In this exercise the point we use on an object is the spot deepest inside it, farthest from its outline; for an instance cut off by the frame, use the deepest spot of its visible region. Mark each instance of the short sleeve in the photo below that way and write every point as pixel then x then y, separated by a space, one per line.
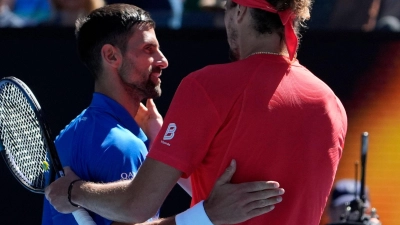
pixel 120 150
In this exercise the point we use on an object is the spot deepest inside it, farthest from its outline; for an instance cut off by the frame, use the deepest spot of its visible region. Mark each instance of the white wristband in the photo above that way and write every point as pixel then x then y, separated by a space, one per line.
pixel 195 215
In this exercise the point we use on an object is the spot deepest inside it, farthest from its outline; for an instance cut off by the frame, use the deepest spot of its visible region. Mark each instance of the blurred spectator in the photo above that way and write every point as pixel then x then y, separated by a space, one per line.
pixel 145 4
pixel 166 13
pixel 365 15
pixel 217 7
pixel 388 23
pixel 175 21
pixel 212 4
pixel 65 12
pixel 345 191
pixel 35 11
pixel 8 18
pixel 354 15
pixel 389 16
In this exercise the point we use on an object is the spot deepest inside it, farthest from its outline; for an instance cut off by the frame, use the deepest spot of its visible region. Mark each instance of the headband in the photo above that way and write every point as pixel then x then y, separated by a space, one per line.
pixel 287 17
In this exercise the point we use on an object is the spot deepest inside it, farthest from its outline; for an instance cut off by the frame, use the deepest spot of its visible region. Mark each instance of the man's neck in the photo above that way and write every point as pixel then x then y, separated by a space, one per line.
pixel 116 91
pixel 268 43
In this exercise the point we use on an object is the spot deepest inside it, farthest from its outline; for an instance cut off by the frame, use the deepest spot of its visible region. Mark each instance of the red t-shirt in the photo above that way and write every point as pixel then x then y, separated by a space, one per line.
pixel 276 119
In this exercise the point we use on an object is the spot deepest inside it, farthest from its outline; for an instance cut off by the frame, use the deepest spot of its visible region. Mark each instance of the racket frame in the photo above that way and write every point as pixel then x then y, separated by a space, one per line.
pixel 51 149
pixel 81 216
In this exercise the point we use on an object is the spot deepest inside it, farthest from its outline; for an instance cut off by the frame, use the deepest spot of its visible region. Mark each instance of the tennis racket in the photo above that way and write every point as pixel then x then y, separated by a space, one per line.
pixel 25 142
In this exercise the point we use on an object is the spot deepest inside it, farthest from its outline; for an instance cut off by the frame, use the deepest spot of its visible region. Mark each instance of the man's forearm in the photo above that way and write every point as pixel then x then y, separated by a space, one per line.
pixel 106 200
pixel 166 221
pixel 137 200
pixel 163 221
pixel 133 201
pixel 195 215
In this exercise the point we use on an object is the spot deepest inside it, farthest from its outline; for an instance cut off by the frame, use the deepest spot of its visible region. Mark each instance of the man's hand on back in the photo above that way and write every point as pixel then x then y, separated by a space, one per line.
pixel 234 203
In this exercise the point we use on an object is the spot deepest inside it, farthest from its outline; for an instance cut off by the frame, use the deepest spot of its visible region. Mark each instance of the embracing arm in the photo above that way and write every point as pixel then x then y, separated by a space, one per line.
pixel 164 221
pixel 127 201
pixel 229 203
pixel 136 201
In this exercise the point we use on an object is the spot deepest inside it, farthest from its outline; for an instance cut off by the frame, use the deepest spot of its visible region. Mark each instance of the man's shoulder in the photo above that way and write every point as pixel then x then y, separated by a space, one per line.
pixel 86 123
pixel 211 69
pixel 217 75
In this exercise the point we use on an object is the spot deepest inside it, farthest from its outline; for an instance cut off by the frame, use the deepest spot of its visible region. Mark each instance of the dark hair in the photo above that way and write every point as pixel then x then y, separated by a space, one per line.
pixel 111 24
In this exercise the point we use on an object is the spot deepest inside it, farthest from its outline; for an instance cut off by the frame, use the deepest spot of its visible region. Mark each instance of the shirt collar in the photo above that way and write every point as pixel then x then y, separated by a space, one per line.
pixel 116 110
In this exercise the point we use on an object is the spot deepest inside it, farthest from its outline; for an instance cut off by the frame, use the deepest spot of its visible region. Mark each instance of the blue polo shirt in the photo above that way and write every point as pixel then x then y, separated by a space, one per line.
pixel 102 144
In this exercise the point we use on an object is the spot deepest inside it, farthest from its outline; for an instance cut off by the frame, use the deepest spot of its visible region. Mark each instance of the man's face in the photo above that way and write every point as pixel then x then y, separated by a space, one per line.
pixel 231 31
pixel 142 64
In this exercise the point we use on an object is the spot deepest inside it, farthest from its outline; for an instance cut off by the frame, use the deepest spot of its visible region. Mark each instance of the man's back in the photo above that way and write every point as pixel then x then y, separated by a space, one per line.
pixel 277 120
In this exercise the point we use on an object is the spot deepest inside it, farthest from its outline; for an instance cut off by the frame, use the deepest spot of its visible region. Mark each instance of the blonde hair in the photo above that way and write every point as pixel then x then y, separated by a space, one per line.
pixel 301 8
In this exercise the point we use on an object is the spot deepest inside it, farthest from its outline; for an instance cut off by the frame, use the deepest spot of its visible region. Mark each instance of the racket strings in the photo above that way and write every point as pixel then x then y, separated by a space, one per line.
pixel 22 136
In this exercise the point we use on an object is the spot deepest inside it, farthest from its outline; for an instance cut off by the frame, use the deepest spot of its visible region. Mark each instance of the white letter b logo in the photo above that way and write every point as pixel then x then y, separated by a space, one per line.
pixel 170 132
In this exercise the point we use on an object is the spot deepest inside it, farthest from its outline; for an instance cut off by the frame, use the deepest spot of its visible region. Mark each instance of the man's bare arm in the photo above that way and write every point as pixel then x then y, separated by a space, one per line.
pixel 127 201
pixel 163 221
pixel 136 201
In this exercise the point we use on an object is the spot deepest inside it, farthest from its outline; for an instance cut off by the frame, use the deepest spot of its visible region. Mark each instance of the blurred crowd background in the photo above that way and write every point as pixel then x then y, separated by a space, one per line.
pixel 359 15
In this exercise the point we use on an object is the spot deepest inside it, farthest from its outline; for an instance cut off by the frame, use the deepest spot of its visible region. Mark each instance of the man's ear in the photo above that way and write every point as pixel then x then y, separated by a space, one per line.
pixel 241 12
pixel 111 55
